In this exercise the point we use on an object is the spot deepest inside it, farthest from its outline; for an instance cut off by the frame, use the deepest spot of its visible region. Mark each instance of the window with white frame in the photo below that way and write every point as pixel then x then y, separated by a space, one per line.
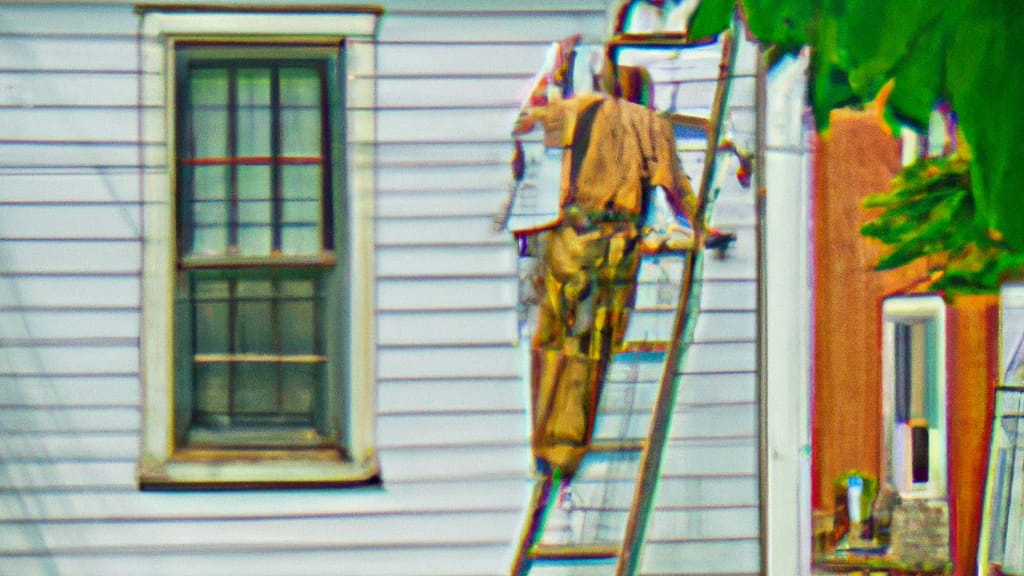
pixel 914 395
pixel 257 281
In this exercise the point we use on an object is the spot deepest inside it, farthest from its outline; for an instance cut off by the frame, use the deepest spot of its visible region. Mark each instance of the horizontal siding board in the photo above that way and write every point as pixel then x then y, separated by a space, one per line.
pixel 447 362
pixel 421 497
pixel 455 463
pixel 485 559
pixel 109 125
pixel 78 446
pixel 701 558
pixel 489 58
pixel 446 328
pixel 469 230
pixel 679 492
pixel 453 174
pixel 738 295
pixel 472 261
pixel 64 420
pixel 69 391
pixel 45 325
pixel 68 257
pixel 398 466
pixel 718 357
pixel 417 126
pixel 443 154
pixel 700 422
pixel 79 54
pixel 735 522
pixel 396 92
pixel 501 26
pixel 564 8
pixel 721 457
pixel 473 395
pixel 115 221
pixel 437 295
pixel 74 91
pixel 364 531
pixel 426 430
pixel 719 326
pixel 716 388
pixel 67 476
pixel 27 292
pixel 58 360
pixel 85 155
pixel 449 203
pixel 97 21
pixel 78 184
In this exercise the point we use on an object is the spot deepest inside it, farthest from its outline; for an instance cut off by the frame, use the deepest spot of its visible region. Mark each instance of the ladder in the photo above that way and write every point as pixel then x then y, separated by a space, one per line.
pixel 596 525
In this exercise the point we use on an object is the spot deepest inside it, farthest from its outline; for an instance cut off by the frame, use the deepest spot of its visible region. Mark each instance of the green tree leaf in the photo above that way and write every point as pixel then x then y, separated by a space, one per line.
pixel 985 80
pixel 711 18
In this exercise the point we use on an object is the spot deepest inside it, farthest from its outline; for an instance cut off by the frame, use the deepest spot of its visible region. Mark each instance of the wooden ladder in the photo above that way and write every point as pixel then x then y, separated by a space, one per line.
pixel 659 360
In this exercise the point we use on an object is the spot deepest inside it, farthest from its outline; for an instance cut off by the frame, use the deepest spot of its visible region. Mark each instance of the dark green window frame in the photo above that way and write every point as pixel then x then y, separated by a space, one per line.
pixel 260 273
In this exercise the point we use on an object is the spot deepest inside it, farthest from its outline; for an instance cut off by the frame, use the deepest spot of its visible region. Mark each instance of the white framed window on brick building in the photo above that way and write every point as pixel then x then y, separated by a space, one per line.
pixel 914 395
pixel 257 353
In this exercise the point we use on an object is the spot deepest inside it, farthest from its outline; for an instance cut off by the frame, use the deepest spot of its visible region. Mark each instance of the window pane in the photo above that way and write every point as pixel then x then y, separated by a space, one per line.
pixel 301 229
pixel 208 116
pixel 208 182
pixel 902 369
pixel 212 397
pixel 255 209
pixel 212 335
pixel 210 227
pixel 255 318
pixel 255 388
pixel 300 387
pixel 918 370
pixel 300 239
pixel 253 109
pixel 298 333
pixel 206 201
pixel 300 112
pixel 301 182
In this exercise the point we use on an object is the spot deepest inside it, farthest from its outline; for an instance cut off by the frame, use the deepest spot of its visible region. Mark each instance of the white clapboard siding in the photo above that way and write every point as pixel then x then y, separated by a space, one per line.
pixel 453 154
pixel 393 498
pixel 69 391
pixel 437 558
pixel 436 294
pixel 470 395
pixel 710 525
pixel 451 423
pixel 68 184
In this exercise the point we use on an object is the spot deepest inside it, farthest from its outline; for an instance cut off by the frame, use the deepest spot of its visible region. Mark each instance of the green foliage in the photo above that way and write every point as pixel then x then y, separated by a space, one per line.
pixel 967 52
pixel 713 17
pixel 930 212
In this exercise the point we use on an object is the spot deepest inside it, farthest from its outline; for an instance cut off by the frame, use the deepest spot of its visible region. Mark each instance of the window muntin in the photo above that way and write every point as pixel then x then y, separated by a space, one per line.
pixel 256 244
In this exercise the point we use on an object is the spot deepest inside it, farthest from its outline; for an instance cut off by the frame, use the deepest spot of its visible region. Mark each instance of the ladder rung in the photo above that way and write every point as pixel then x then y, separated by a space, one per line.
pixel 578 552
pixel 636 445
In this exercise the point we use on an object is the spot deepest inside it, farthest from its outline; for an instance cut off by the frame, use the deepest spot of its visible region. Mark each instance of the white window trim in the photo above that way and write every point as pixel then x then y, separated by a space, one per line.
pixel 160 28
pixel 915 307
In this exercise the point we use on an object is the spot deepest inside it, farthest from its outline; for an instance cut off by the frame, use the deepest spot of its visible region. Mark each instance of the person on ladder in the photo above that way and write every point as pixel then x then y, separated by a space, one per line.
pixel 619 161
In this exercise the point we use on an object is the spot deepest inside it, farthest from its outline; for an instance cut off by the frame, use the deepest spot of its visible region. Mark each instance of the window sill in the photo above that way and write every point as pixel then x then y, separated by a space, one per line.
pixel 196 469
